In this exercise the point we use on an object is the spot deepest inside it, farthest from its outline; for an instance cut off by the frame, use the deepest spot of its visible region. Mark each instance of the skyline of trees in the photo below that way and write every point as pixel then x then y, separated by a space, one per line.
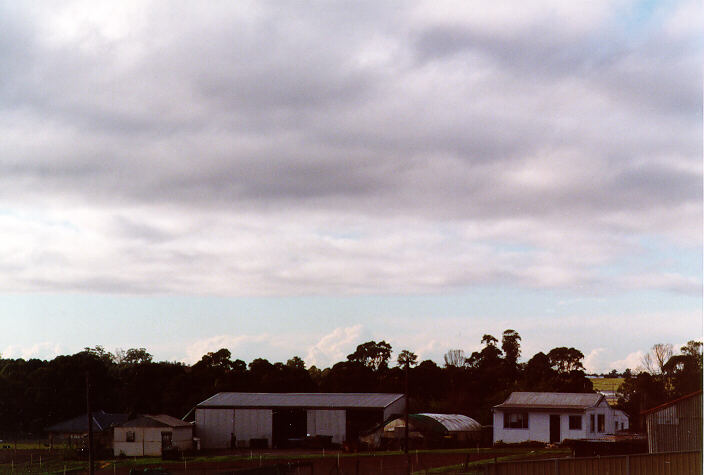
pixel 37 393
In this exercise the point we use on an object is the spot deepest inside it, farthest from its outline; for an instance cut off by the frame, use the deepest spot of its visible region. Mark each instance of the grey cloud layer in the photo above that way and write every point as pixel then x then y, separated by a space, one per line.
pixel 352 112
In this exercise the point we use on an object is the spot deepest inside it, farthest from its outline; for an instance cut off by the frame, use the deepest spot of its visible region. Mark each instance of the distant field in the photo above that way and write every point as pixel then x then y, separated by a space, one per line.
pixel 606 384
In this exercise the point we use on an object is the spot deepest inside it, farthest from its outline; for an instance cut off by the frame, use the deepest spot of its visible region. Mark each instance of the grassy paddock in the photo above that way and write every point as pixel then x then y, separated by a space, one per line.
pixel 606 384
pixel 528 454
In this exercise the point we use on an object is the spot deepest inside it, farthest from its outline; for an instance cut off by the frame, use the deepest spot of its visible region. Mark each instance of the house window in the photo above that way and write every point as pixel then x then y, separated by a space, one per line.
pixel 601 422
pixel 591 422
pixel 129 436
pixel 575 422
pixel 515 420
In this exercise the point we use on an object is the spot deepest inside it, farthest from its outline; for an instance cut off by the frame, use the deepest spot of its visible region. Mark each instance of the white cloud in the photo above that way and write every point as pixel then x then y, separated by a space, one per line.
pixel 632 360
pixel 593 362
pixel 44 350
pixel 335 346
pixel 246 347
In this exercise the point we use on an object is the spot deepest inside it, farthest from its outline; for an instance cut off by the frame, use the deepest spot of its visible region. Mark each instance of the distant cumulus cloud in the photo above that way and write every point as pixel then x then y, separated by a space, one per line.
pixel 632 361
pixel 335 346
pixel 44 350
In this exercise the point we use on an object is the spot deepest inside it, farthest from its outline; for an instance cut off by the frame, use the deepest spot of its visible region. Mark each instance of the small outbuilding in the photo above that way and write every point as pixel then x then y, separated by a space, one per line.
pixel 151 435
pixel 427 430
pixel 75 430
pixel 228 420
pixel 676 425
pixel 552 417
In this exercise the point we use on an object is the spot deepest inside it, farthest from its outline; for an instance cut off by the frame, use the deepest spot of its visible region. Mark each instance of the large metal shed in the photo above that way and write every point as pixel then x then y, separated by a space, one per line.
pixel 228 420
pixel 676 425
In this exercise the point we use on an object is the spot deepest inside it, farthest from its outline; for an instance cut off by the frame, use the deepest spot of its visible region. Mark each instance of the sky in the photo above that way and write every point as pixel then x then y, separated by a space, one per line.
pixel 288 178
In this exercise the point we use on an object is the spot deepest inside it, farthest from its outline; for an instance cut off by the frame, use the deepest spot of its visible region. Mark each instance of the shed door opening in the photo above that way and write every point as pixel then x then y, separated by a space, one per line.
pixel 554 429
pixel 165 440
pixel 289 427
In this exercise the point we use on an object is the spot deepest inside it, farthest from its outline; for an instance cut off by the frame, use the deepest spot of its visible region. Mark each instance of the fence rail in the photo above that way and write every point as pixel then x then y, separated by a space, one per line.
pixel 672 463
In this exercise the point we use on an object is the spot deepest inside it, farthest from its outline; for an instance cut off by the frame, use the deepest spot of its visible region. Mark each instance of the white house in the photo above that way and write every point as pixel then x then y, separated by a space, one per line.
pixel 553 417
pixel 149 435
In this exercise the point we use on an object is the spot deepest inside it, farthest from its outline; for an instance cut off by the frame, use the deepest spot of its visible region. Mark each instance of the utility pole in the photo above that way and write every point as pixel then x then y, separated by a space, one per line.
pixel 90 426
pixel 405 431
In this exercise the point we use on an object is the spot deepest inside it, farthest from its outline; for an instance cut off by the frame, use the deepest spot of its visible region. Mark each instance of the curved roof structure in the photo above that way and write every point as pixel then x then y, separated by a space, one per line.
pixel 439 424
pixel 455 422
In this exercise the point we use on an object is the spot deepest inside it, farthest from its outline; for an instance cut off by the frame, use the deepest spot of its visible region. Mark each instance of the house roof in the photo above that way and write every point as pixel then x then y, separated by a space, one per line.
pixel 670 403
pixel 309 400
pixel 455 422
pixel 158 420
pixel 79 425
pixel 552 401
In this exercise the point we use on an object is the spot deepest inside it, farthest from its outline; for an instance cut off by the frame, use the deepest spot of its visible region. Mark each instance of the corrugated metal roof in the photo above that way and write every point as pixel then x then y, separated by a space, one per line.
pixel 455 422
pixel 101 420
pixel 312 400
pixel 531 400
pixel 158 420
pixel 670 403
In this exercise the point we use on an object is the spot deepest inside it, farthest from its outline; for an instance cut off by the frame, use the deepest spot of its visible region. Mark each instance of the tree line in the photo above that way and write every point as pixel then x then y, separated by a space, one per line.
pixel 36 393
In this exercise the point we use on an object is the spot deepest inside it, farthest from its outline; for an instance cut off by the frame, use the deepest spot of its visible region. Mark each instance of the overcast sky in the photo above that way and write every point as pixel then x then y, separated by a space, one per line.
pixel 291 178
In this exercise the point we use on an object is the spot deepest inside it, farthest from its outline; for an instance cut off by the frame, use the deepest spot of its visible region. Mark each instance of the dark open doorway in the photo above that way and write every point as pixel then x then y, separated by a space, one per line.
pixel 289 426
pixel 554 429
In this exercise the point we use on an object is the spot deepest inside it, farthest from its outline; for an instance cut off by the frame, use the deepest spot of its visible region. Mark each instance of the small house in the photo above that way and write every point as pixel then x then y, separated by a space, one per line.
pixel 150 435
pixel 552 417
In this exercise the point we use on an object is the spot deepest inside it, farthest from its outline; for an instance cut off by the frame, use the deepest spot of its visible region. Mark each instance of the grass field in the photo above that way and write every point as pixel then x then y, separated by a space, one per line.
pixel 606 384
pixel 528 454
pixel 371 463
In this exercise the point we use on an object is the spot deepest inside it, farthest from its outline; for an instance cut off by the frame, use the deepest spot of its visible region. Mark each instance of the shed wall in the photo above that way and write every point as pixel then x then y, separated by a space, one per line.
pixel 327 422
pixel 215 427
pixel 253 424
pixel 677 427
pixel 395 408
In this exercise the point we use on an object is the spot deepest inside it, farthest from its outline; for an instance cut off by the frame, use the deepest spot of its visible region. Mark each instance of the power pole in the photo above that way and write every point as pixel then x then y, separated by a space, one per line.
pixel 405 431
pixel 90 426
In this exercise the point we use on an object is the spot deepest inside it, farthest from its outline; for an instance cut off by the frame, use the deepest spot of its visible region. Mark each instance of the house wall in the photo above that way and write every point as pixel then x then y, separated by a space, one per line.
pixel 215 427
pixel 327 422
pixel 539 428
pixel 622 419
pixel 147 440
pixel 253 424
pixel 605 409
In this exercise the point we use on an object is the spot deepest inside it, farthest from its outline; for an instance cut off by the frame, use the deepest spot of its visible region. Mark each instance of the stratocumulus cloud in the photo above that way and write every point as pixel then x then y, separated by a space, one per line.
pixel 273 148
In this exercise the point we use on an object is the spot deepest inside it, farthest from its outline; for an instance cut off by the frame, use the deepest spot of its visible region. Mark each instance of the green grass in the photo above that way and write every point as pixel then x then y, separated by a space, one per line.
pixel 57 466
pixel 473 466
pixel 606 384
